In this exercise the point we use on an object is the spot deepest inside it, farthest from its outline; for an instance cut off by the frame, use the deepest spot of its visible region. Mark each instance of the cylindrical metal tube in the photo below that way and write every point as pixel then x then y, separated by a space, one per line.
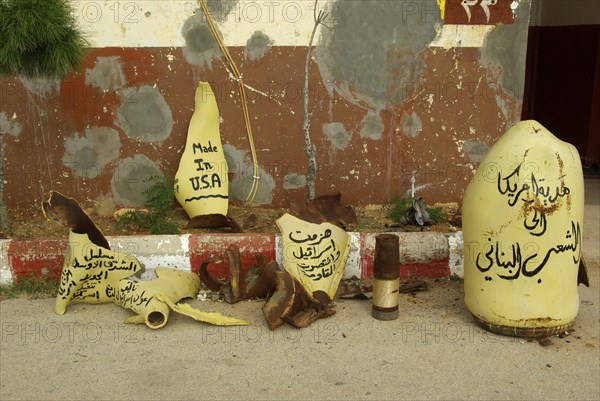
pixel 386 277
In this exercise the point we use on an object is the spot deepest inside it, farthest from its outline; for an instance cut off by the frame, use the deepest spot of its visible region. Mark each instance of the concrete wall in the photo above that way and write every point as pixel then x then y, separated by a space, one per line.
pixel 395 87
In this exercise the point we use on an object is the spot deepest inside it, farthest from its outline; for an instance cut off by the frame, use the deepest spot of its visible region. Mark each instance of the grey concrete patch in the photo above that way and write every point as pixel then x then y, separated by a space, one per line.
pixel 144 114
pixel 89 154
pixel 128 181
pixel 411 125
pixel 337 135
pixel 475 150
pixel 241 165
pixel 9 125
pixel 372 48
pixel 372 126
pixel 257 46
pixel 44 88
pixel 107 74
pixel 294 181
pixel 506 47
pixel 200 45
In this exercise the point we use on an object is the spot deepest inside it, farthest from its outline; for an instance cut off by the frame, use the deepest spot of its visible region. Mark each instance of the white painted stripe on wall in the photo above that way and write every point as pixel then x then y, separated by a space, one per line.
pixel 154 251
pixel 354 257
pixel 456 261
pixel 158 23
pixel 5 273
pixel 449 36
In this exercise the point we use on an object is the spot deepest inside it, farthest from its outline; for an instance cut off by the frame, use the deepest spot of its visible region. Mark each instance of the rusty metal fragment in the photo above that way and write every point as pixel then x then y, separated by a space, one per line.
pixel 67 211
pixel 214 221
pixel 287 301
pixel 326 208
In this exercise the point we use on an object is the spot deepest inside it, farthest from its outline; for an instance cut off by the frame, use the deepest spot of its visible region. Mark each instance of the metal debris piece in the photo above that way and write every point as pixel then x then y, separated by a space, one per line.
pixel 69 213
pixel 413 285
pixel 214 221
pixel 286 299
pixel 417 214
pixel 326 208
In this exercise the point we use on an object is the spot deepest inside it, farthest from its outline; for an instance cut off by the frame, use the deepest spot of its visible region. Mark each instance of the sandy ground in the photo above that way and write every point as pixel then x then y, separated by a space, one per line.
pixel 432 351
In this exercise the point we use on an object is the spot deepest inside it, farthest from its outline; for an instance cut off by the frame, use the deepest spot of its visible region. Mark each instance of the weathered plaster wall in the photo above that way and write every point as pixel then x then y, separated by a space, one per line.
pixel 394 89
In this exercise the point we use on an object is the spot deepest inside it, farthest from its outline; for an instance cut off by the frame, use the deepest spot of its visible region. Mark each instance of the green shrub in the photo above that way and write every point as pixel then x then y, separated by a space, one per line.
pixel 398 207
pixel 39 38
pixel 159 198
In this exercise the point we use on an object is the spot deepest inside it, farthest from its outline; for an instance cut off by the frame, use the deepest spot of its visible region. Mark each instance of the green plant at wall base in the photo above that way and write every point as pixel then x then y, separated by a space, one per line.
pixel 398 206
pixel 39 38
pixel 436 214
pixel 159 198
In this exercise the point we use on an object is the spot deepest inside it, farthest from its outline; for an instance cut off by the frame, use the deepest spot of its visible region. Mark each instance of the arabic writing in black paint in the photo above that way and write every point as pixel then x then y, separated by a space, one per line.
pixel 515 263
pixel 534 193
pixel 316 254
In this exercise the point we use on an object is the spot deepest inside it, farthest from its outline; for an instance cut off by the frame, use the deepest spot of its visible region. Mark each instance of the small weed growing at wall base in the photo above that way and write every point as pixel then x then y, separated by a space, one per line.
pixel 398 207
pixel 159 198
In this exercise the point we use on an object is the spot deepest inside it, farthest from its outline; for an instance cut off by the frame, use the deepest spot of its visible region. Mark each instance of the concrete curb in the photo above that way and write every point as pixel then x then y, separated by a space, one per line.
pixel 424 254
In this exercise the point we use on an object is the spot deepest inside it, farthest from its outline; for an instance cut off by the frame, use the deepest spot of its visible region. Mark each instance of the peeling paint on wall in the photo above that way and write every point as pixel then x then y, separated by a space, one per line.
pixel 337 134
pixel 505 48
pixel 449 36
pixel 372 125
pixel 475 150
pixel 10 125
pixel 257 46
pixel 373 48
pixel 128 180
pixel 240 165
pixel 88 155
pixel 411 125
pixel 107 74
pixel 144 114
pixel 200 44
pixel 294 181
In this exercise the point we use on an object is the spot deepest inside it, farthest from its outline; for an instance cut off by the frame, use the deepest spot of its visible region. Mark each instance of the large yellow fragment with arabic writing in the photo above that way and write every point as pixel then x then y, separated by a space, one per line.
pixel 522 225
pixel 91 272
pixel 314 254
pixel 94 274
pixel 153 300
